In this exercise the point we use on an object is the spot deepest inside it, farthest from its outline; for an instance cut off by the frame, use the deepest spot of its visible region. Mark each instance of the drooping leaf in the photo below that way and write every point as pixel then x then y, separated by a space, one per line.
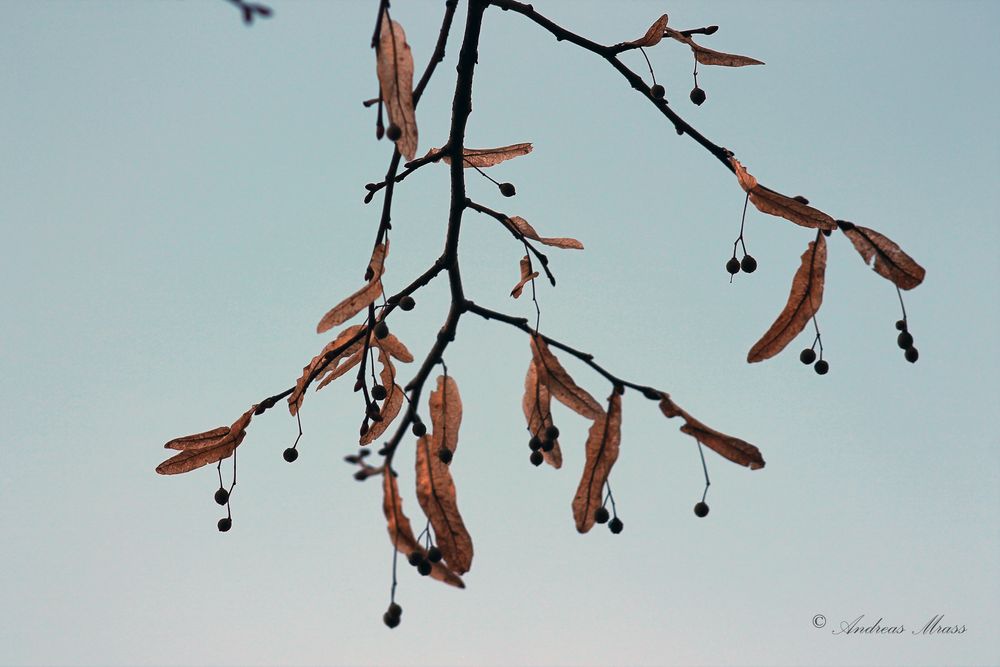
pixel 356 353
pixel 559 382
pixel 394 65
pixel 394 347
pixel 526 275
pixel 653 35
pixel 446 413
pixel 890 261
pixel 206 449
pixel 804 300
pixel 332 366
pixel 488 157
pixel 707 56
pixel 734 449
pixel 361 299
pixel 526 230
pixel 774 203
pixel 401 533
pixel 392 403
pixel 603 440
pixel 537 406
pixel 436 493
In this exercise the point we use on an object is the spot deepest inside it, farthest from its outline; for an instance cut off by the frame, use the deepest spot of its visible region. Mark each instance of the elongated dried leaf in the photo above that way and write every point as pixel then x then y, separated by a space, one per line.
pixel 361 299
pixel 356 352
pixel 401 533
pixel 707 56
pixel 487 157
pixel 526 275
pixel 537 406
pixel 734 449
pixel 804 300
pixel 395 347
pixel 603 440
pixel 526 230
pixel 559 382
pixel 392 403
pixel 653 35
pixel 446 413
pixel 394 66
pixel 208 451
pixel 890 261
pixel 436 493
pixel 198 440
pixel 298 394
pixel 774 203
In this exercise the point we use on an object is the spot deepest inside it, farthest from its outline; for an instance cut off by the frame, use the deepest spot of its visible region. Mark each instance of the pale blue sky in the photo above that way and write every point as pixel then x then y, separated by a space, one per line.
pixel 180 201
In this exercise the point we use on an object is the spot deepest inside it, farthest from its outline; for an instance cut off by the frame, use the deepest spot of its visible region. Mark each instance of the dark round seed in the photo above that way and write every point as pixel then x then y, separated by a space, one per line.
pixel 290 454
pixel 445 455
pixel 379 392
pixel 535 443
pixel 424 568
pixel 434 554
pixel 901 325
pixel 911 355
pixel 537 458
pixel 733 266
pixel 616 525
pixel 381 330
pixel 748 264
pixel 698 96
pixel 658 91
pixel 419 429
pixel 415 558
pixel 395 610
pixel 393 132
pixel 904 340
pixel 407 303
pixel 551 433
pixel 548 445
pixel 507 189
pixel 822 367
pixel 601 515
pixel 701 510
pixel 807 356
pixel 391 620
pixel 222 496
pixel 225 524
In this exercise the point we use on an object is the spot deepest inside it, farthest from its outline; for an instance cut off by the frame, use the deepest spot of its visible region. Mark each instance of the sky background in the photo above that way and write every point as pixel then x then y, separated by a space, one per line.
pixel 181 200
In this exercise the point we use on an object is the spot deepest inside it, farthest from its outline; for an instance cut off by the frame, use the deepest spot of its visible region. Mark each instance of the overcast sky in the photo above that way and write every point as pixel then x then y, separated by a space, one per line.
pixel 181 200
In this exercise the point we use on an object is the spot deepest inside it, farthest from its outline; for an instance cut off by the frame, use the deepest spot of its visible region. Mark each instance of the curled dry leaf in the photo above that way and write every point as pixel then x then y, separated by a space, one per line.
pixel 774 203
pixel 890 261
pixel 734 449
pixel 526 275
pixel 804 300
pixel 392 403
pixel 394 347
pixel 333 367
pixel 361 299
pixel 394 66
pixel 445 406
pixel 436 493
pixel 401 533
pixel 559 382
pixel 203 448
pixel 488 157
pixel 527 231
pixel 709 57
pixel 653 35
pixel 537 406
pixel 603 440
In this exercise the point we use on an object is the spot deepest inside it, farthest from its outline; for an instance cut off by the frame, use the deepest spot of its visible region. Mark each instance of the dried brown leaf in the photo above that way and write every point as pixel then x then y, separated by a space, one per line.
pixel 537 406
pixel 394 66
pixel 401 533
pixel 526 230
pixel 436 493
pixel 207 451
pixel 392 403
pixel 488 157
pixel 356 352
pixel 804 300
pixel 446 413
pixel 734 449
pixel 361 299
pixel 526 275
pixel 890 260
pixel 707 56
pixel 653 35
pixel 298 394
pixel 395 347
pixel 603 440
pixel 198 440
pixel 774 203
pixel 559 382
